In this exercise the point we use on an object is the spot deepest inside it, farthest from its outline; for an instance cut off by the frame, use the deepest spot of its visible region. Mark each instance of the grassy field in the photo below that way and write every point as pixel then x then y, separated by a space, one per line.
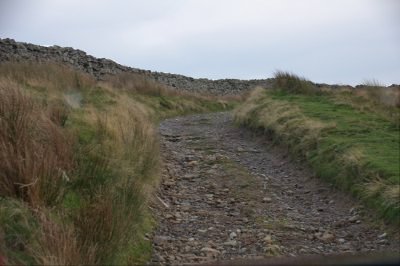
pixel 350 137
pixel 78 161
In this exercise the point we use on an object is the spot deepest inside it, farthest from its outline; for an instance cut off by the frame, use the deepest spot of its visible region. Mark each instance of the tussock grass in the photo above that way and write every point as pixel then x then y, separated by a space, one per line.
pixel 344 141
pixel 292 83
pixel 34 153
pixel 78 161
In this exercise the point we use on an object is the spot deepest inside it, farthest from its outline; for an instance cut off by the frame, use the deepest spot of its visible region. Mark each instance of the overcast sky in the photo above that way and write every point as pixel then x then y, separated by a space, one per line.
pixel 341 41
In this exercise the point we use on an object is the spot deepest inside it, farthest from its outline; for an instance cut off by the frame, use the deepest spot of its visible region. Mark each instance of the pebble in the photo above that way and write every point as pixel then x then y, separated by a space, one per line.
pixel 353 219
pixel 327 236
pixel 267 199
pixel 268 239
pixel 169 216
pixel 382 236
pixel 210 250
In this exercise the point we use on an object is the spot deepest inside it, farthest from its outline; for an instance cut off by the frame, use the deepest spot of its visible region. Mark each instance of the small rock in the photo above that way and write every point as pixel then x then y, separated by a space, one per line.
pixel 169 216
pixel 273 250
pixel 346 246
pixel 232 235
pixel 327 237
pixel 341 240
pixel 353 218
pixel 202 231
pixel 382 241
pixel 267 199
pixel 268 239
pixel 158 258
pixel 232 243
pixel 302 250
pixel 159 240
pixel 191 163
pixel 210 250
pixel 382 236
pixel 191 239
pixel 289 226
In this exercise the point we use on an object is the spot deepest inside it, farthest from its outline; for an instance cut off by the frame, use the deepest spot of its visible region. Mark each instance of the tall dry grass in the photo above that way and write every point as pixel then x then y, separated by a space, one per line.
pixel 78 161
pixel 292 83
pixel 125 150
pixel 34 151
pixel 47 76
pixel 57 244
pixel 282 121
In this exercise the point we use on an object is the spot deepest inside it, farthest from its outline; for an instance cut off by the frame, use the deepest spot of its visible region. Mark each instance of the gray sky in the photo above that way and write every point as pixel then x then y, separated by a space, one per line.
pixel 340 41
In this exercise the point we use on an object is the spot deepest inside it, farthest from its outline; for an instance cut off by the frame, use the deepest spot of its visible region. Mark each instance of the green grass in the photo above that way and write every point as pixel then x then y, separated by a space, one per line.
pixel 355 149
pixel 377 137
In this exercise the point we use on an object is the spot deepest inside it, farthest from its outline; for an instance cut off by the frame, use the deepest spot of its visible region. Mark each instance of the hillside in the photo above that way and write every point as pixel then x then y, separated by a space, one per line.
pixel 106 164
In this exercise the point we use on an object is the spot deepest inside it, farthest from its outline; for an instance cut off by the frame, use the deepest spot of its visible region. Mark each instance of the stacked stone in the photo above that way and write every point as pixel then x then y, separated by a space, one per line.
pixel 10 50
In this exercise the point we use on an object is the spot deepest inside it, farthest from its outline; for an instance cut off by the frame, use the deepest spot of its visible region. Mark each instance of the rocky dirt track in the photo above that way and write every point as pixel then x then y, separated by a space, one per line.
pixel 227 194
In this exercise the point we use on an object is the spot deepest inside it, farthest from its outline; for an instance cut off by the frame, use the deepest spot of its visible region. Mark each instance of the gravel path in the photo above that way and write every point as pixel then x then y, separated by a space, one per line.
pixel 227 194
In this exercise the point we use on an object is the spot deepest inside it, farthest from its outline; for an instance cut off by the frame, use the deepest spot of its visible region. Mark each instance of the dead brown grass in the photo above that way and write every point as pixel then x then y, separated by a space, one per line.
pixel 48 76
pixel 34 152
pixel 78 160
pixel 57 243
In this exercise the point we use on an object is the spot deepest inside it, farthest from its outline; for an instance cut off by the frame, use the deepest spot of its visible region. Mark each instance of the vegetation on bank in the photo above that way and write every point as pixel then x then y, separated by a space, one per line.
pixel 78 159
pixel 350 137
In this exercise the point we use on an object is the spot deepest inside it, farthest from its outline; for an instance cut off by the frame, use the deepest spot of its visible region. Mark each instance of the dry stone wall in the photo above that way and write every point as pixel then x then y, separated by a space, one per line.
pixel 10 50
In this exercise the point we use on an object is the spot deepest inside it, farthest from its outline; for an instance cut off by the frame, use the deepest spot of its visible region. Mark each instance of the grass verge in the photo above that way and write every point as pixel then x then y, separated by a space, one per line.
pixel 78 161
pixel 348 139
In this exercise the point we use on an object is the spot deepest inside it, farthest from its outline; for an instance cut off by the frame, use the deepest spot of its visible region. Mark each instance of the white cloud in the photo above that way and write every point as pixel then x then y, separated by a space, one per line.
pixel 222 38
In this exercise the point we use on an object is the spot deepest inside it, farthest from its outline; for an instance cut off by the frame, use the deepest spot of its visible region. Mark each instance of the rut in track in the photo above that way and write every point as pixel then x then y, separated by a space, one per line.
pixel 226 194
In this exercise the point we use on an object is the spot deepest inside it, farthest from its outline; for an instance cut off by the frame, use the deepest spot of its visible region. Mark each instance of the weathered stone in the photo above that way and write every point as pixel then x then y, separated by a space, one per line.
pixel 11 50
pixel 232 243
pixel 232 235
pixel 210 250
pixel 267 199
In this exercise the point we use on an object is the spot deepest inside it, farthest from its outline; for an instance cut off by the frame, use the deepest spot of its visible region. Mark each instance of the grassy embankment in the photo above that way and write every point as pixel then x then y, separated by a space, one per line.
pixel 350 137
pixel 78 161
